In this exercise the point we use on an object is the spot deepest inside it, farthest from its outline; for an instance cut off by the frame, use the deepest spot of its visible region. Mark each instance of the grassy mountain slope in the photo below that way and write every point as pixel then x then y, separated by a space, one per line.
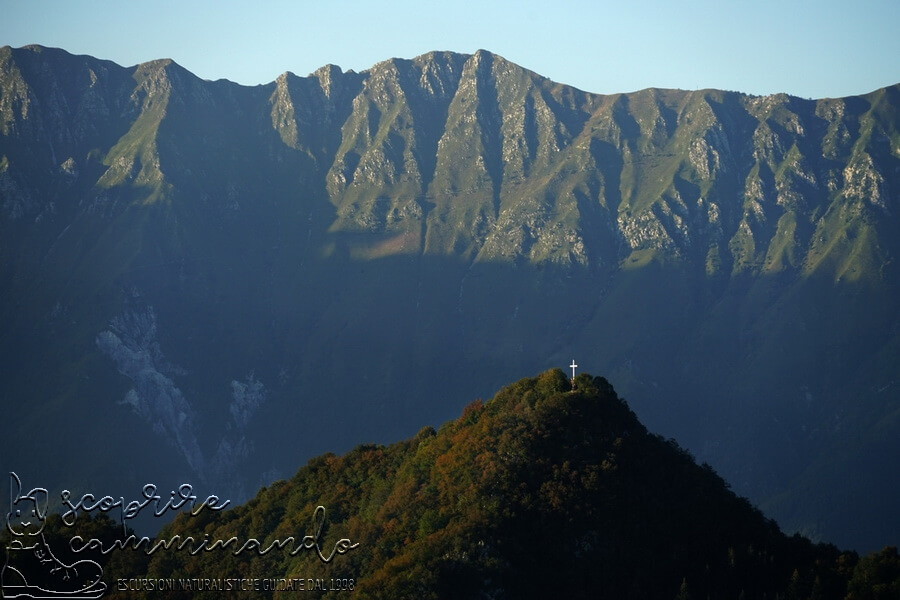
pixel 202 263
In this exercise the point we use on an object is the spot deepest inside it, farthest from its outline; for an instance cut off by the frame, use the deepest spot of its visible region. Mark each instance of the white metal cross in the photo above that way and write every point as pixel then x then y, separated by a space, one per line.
pixel 573 366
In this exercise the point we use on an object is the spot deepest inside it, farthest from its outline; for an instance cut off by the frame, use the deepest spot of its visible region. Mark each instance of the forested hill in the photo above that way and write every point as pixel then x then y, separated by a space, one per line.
pixel 543 491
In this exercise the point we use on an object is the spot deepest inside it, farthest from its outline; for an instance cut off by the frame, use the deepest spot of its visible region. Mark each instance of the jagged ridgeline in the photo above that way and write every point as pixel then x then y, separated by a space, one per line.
pixel 220 281
pixel 543 491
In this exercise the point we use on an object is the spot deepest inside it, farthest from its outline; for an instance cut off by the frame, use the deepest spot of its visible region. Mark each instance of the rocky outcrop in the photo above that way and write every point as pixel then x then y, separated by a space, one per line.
pixel 711 252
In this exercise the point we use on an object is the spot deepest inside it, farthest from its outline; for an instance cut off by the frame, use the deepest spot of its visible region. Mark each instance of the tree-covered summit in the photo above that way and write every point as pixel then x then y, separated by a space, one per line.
pixel 547 490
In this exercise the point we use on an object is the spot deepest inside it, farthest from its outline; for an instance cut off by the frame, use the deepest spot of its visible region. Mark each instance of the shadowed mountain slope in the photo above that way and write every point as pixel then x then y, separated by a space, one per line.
pixel 195 272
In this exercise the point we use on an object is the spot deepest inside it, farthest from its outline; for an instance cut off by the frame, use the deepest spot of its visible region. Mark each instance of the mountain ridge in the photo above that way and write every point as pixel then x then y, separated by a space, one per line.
pixel 358 204
pixel 737 252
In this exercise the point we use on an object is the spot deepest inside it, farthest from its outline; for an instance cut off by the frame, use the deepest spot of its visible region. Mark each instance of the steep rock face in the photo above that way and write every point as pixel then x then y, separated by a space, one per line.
pixel 481 157
pixel 451 214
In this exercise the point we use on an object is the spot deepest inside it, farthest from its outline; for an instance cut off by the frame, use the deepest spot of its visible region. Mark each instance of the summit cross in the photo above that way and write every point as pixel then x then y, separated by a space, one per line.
pixel 573 366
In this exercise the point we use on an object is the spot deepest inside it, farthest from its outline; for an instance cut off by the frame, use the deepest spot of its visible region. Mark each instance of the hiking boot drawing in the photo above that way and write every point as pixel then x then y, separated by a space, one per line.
pixel 31 570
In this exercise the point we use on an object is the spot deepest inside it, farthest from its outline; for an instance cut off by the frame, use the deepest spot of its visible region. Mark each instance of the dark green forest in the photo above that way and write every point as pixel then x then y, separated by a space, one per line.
pixel 552 489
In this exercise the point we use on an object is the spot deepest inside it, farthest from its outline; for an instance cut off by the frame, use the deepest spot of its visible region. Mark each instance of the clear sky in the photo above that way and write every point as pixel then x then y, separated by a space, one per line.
pixel 809 48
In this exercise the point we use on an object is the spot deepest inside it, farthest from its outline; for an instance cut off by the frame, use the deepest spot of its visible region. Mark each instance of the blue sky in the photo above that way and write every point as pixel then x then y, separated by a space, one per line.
pixel 816 49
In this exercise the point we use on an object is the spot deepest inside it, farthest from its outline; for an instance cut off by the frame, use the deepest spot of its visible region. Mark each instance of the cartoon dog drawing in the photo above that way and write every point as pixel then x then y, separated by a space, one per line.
pixel 31 570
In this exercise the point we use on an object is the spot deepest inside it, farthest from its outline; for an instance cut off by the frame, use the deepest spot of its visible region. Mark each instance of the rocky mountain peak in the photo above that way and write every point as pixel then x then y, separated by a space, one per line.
pixel 719 250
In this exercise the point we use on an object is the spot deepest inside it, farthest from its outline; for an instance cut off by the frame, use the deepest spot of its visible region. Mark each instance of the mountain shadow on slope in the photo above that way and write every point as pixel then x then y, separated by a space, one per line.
pixel 248 246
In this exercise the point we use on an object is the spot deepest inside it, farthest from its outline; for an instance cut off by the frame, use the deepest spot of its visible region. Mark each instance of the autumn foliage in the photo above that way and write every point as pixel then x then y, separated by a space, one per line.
pixel 545 491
